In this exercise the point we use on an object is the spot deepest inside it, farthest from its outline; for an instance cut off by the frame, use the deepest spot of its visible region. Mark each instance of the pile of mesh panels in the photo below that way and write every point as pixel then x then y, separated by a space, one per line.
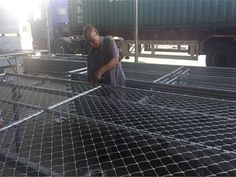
pixel 58 127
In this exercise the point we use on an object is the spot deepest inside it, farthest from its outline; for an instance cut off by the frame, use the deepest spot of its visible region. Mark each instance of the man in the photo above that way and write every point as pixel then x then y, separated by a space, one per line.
pixel 103 59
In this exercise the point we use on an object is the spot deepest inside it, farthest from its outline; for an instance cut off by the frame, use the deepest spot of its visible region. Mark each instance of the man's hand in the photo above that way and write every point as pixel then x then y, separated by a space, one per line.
pixel 107 67
pixel 98 74
pixel 94 81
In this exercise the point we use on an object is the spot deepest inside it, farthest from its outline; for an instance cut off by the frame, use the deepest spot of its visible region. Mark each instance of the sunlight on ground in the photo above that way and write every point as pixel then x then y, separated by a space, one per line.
pixel 200 62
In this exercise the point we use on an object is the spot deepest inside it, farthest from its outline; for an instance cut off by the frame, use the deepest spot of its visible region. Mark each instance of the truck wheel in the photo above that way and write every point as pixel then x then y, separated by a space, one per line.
pixel 222 55
pixel 62 48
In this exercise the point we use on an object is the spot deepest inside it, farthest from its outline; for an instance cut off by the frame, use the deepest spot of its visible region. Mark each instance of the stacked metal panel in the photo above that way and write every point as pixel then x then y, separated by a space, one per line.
pixel 197 77
pixel 56 65
pixel 193 77
pixel 56 127
pixel 214 78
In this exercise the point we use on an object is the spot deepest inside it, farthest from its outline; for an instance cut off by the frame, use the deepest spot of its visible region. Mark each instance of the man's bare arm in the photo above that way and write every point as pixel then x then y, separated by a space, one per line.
pixel 107 67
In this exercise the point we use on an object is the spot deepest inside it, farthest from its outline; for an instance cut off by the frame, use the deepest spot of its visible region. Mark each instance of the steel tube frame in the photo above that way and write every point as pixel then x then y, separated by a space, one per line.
pixel 44 78
pixel 204 92
pixel 48 108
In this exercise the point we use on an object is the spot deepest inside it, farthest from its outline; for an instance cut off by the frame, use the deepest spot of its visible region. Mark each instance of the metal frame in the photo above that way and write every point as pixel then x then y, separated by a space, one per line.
pixel 183 89
pixel 70 57
pixel 12 158
pixel 217 79
pixel 6 55
pixel 193 49
pixel 47 108
pixel 53 66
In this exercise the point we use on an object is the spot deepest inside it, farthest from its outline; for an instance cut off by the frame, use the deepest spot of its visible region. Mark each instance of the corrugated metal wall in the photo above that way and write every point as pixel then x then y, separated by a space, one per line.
pixel 76 14
pixel 120 13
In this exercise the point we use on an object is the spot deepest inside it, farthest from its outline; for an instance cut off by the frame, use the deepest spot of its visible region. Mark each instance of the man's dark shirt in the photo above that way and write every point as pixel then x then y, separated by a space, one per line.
pixel 99 57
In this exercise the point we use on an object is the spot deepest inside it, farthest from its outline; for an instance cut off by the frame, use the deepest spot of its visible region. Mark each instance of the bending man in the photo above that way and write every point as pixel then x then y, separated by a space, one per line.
pixel 103 59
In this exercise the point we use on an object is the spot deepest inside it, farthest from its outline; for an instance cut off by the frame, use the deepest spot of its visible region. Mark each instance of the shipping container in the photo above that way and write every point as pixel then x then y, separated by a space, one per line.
pixel 157 13
pixel 207 27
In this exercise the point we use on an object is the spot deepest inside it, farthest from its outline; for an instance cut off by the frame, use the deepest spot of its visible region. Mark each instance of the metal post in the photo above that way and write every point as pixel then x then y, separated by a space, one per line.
pixel 17 70
pixel 15 97
pixel 136 31
pixel 48 25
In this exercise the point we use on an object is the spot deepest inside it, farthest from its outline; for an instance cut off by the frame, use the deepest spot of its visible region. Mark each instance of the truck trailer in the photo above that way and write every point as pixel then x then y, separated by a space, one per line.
pixel 195 27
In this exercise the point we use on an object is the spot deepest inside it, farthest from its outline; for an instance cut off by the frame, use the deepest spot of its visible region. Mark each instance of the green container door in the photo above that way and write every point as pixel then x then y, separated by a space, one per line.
pixel 155 13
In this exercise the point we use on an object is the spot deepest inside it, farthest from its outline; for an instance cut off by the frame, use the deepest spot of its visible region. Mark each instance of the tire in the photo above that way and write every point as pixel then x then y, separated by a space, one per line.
pixel 61 47
pixel 222 55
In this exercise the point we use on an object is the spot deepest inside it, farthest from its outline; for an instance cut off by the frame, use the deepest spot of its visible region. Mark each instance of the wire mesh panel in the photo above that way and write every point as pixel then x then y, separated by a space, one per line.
pixel 214 78
pixel 148 68
pixel 163 126
pixel 22 96
pixel 81 146
pixel 212 71
pixel 191 126
pixel 55 67
pixel 49 83
pixel 146 72
pixel 106 131
pixel 188 102
pixel 221 83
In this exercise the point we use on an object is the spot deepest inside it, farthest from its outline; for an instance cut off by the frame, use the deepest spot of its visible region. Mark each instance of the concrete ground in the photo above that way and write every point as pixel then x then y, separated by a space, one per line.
pixel 200 62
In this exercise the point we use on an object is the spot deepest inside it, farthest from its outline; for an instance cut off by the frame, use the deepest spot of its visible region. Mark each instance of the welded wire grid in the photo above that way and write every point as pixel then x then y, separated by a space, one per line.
pixel 122 132
pixel 220 83
pixel 186 128
pixel 43 82
pixel 213 71
pixel 146 72
pixel 196 119
pixel 214 78
pixel 23 96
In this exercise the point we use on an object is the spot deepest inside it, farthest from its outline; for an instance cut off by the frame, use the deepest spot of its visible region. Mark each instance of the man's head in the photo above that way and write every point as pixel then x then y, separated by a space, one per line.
pixel 91 34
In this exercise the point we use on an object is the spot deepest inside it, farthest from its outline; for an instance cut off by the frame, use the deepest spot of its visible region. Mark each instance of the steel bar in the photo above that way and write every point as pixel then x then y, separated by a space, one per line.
pixel 2 74
pixel 74 97
pixel 77 70
pixel 48 108
pixel 221 94
pixel 45 78
pixel 67 57
pixel 167 75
